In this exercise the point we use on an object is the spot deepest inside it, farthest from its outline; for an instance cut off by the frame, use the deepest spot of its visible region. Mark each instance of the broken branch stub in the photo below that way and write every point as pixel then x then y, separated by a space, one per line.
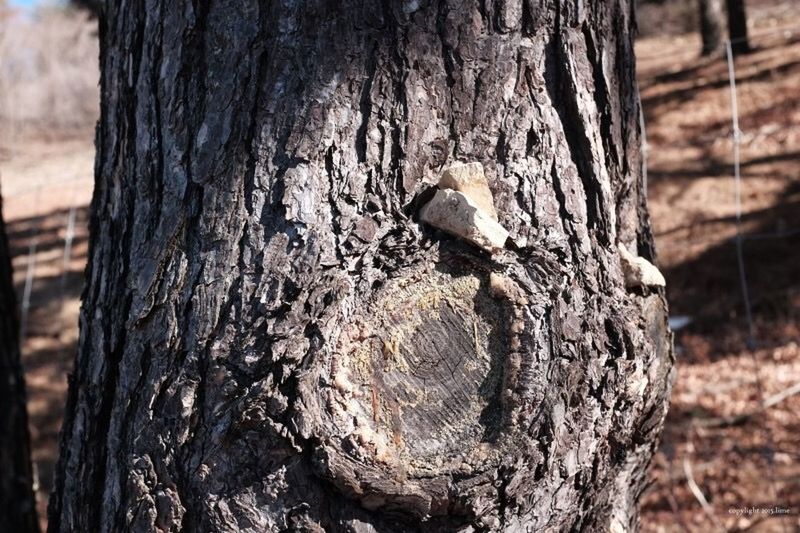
pixel 457 214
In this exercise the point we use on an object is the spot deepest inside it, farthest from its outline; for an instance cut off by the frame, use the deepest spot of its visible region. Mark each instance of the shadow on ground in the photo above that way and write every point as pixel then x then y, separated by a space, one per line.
pixel 709 287
pixel 49 346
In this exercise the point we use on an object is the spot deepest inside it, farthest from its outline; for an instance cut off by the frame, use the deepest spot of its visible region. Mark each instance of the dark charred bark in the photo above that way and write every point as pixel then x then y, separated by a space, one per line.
pixel 737 26
pixel 711 24
pixel 17 502
pixel 270 341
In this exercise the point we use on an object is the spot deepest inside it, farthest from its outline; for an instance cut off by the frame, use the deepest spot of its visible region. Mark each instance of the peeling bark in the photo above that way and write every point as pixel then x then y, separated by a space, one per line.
pixel 270 339
pixel 17 502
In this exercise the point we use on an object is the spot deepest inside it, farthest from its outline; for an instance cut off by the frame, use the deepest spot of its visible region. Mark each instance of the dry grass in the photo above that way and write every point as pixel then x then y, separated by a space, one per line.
pixel 48 74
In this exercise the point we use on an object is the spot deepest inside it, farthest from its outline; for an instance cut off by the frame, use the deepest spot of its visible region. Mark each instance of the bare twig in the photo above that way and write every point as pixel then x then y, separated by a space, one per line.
pixel 743 418
pixel 673 502
pixel 775 399
pixel 699 496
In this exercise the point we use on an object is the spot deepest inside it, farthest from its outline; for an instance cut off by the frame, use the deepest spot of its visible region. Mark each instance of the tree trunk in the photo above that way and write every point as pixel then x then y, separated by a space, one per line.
pixel 271 341
pixel 711 26
pixel 17 502
pixel 95 7
pixel 737 26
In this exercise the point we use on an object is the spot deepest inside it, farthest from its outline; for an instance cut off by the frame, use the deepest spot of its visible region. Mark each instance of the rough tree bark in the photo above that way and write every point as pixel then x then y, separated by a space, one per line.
pixel 17 502
pixel 711 25
pixel 737 26
pixel 269 339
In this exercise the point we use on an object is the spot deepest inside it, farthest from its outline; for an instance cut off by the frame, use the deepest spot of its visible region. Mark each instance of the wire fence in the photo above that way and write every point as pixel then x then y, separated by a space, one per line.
pixel 736 137
pixel 32 197
pixel 30 272
pixel 737 176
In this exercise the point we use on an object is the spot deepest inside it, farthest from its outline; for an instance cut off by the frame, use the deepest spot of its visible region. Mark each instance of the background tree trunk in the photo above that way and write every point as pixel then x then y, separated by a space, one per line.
pixel 95 7
pixel 737 26
pixel 711 24
pixel 270 341
pixel 17 502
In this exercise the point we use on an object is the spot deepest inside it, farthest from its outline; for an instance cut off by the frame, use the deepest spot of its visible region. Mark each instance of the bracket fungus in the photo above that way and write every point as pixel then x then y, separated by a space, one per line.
pixel 464 206
pixel 638 271
pixel 470 180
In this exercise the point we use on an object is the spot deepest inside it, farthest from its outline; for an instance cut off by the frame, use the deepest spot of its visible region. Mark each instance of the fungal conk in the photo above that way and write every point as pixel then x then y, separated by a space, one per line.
pixel 464 206
pixel 638 271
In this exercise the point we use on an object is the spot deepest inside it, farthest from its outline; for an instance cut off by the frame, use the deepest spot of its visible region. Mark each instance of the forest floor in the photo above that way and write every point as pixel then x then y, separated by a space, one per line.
pixel 743 461
pixel 720 447
pixel 41 184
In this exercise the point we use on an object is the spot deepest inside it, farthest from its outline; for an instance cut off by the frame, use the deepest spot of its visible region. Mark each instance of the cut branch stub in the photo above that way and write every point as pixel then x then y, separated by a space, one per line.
pixel 432 363
pixel 420 389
